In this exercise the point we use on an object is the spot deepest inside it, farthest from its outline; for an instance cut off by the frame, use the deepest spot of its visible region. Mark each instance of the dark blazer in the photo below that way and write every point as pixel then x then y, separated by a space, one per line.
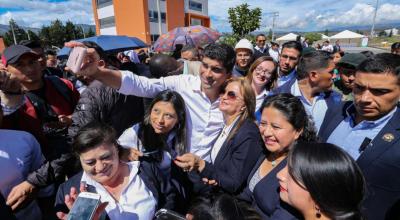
pixel 162 191
pixel 380 164
pixel 5 210
pixel 236 159
pixel 265 196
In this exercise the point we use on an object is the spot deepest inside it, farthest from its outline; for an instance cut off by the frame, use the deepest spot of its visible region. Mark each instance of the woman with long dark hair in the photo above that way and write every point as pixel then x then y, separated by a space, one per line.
pixel 161 135
pixel 284 121
pixel 322 182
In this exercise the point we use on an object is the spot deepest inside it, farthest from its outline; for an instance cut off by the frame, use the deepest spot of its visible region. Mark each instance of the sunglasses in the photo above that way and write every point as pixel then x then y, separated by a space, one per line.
pixel 231 95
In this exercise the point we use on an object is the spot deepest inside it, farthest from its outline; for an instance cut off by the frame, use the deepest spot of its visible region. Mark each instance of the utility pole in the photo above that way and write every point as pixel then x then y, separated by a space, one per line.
pixel 83 31
pixel 275 15
pixel 29 36
pixel 159 17
pixel 373 21
pixel 12 30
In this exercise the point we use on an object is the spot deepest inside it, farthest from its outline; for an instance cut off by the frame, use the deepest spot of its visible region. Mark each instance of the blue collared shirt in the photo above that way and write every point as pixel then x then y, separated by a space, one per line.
pixel 316 110
pixel 349 136
pixel 284 79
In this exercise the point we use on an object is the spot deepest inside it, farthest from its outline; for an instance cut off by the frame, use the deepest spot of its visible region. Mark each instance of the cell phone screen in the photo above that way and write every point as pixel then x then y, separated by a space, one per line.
pixel 83 209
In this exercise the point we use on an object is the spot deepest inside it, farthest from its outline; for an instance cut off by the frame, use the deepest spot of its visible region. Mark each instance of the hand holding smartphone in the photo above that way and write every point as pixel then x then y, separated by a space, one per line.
pixel 75 59
pixel 84 206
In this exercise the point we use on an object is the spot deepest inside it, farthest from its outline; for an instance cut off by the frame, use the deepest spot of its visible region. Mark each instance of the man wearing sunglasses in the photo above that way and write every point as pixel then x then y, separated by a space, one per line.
pixel 201 93
pixel 347 67
pixel 288 59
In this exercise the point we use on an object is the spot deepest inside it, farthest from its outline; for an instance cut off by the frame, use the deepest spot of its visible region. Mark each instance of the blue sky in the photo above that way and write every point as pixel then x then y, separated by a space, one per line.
pixel 301 15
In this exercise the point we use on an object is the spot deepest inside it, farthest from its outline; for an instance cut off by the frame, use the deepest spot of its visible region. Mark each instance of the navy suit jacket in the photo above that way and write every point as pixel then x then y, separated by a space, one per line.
pixel 265 196
pixel 236 159
pixel 162 191
pixel 380 164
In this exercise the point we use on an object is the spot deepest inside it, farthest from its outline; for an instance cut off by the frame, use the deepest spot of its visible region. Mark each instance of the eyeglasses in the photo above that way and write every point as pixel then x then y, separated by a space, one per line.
pixel 231 95
pixel 260 71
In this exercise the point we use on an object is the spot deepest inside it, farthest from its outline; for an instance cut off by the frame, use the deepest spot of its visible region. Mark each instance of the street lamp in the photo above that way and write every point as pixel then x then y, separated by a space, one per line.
pixel 373 20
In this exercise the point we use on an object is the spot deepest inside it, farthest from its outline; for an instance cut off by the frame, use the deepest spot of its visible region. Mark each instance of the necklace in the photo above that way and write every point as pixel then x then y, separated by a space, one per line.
pixel 275 159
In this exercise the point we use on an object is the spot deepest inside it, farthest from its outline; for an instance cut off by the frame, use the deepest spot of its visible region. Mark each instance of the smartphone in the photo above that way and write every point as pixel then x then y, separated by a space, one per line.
pixel 75 59
pixel 84 206
pixel 168 215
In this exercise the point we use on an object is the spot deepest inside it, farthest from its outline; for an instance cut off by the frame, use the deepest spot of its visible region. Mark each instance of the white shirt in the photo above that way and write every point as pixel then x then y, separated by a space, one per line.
pixel 328 48
pixel 274 54
pixel 221 140
pixel 20 155
pixel 136 200
pixel 129 139
pixel 260 98
pixel 204 119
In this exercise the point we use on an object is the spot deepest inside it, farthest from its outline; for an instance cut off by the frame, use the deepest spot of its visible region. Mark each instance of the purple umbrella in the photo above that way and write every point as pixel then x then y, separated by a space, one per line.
pixel 193 35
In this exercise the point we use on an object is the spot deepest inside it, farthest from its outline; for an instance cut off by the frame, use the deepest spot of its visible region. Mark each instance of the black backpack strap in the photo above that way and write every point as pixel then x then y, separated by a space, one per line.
pixel 61 87
pixel 42 108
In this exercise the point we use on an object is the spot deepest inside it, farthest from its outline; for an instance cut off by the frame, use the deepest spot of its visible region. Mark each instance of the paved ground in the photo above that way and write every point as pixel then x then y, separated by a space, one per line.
pixel 359 49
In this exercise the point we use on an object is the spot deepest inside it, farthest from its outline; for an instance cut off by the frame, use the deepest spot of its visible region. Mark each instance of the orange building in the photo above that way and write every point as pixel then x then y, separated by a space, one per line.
pixel 147 19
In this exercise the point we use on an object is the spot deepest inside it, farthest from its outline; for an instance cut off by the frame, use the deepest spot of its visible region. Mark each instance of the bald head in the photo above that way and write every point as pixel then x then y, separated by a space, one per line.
pixel 162 64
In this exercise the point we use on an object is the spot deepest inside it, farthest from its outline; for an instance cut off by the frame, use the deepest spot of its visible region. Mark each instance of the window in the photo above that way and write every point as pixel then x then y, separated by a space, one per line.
pixel 154 37
pixel 104 3
pixel 196 21
pixel 153 16
pixel 196 6
pixel 107 22
pixel 163 17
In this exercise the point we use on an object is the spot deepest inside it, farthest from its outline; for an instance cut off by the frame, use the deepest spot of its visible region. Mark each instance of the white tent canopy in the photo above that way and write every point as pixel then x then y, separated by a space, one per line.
pixel 288 37
pixel 323 36
pixel 347 35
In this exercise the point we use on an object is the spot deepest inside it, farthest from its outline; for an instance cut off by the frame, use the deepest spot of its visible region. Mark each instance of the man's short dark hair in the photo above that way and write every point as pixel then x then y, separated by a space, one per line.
pixel 190 48
pixel 97 48
pixel 223 53
pixel 51 53
pixel 293 44
pixel 395 46
pixel 380 64
pixel 312 61
pixel 31 43
pixel 260 35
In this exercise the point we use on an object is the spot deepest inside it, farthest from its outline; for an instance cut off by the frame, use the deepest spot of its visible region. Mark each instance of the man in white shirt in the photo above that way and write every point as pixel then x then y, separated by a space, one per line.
pixel 201 93
pixel 327 47
pixel 274 51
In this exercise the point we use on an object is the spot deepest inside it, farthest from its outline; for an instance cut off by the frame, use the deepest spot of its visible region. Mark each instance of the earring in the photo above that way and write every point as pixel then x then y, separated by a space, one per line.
pixel 318 214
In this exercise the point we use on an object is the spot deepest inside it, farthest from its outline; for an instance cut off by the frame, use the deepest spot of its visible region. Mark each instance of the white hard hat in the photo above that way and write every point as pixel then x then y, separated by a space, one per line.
pixel 244 44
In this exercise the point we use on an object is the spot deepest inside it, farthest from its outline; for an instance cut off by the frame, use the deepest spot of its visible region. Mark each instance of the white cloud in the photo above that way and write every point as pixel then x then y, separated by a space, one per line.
pixel 361 14
pixel 37 13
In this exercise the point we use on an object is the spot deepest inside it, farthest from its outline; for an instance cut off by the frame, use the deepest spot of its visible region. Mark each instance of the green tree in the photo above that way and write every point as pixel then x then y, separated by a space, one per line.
pixel 20 34
pixel 390 33
pixel 44 35
pixel 244 20
pixel 57 33
pixel 382 33
pixel 312 37
pixel 90 33
pixel 326 32
pixel 32 35
pixel 70 31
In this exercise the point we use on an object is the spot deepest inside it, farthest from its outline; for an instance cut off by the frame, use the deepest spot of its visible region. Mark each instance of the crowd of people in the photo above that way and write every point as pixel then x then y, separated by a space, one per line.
pixel 262 131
